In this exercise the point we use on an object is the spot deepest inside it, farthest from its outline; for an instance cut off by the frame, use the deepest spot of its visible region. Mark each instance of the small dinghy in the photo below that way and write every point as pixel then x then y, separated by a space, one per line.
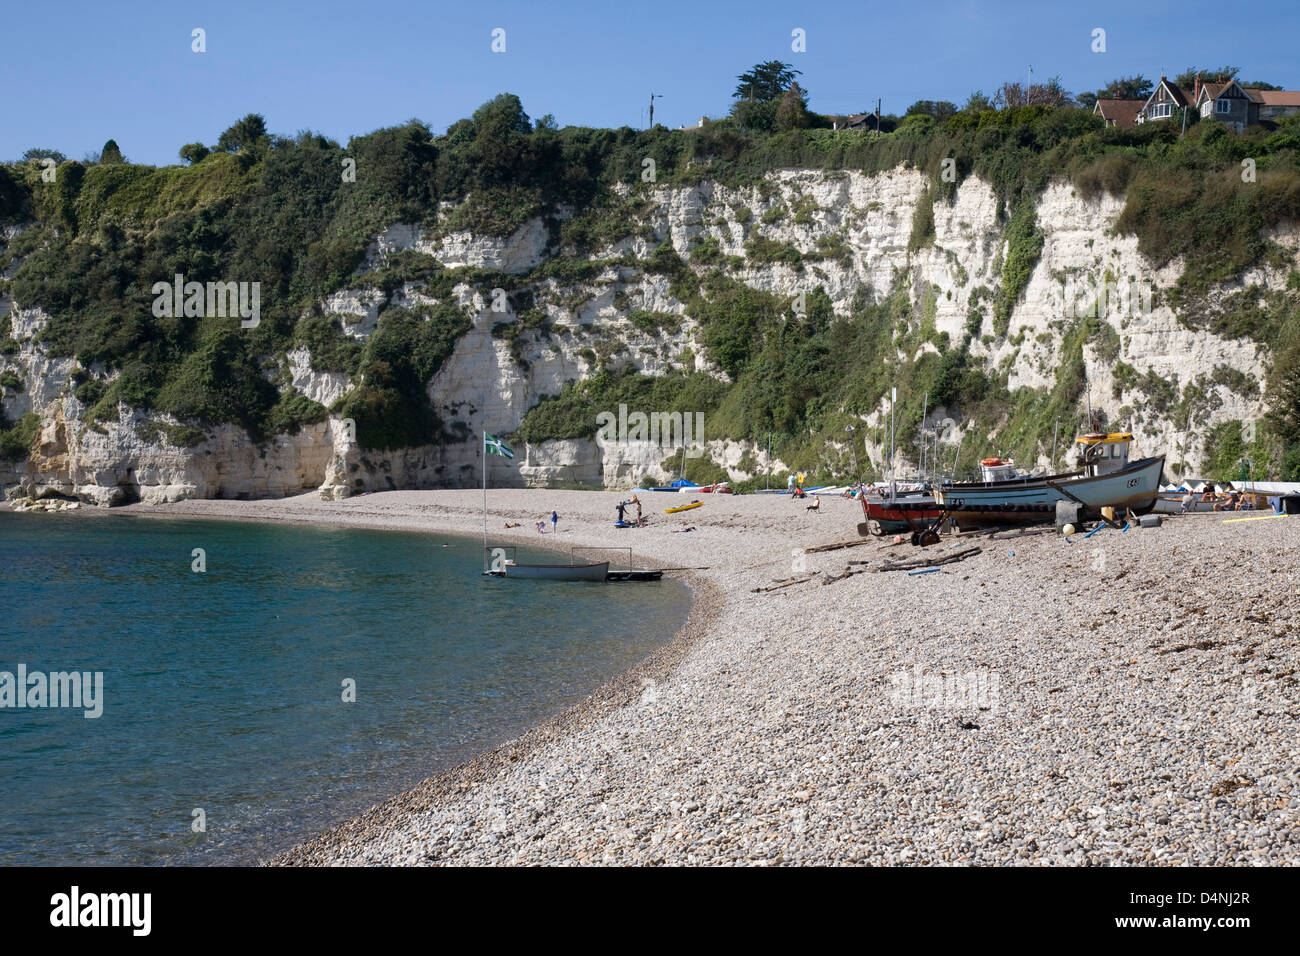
pixel 595 571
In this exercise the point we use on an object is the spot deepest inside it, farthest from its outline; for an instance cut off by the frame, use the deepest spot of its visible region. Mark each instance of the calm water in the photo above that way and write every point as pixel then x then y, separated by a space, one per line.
pixel 223 690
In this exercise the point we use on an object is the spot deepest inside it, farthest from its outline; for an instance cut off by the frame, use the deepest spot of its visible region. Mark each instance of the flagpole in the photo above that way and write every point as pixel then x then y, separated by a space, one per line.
pixel 483 452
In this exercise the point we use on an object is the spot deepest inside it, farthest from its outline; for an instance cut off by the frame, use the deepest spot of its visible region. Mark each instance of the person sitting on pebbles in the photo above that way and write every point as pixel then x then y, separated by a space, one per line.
pixel 815 506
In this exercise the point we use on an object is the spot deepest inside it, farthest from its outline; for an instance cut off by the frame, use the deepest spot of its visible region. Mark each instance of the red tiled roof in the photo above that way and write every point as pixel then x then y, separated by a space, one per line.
pixel 1275 97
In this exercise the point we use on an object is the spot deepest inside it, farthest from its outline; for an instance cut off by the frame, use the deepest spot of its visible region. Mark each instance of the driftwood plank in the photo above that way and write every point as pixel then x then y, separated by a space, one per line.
pixel 786 584
pixel 929 562
pixel 835 547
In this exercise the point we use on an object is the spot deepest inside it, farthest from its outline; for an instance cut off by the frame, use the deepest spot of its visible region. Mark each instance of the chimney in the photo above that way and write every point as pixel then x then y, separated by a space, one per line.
pixel 1196 91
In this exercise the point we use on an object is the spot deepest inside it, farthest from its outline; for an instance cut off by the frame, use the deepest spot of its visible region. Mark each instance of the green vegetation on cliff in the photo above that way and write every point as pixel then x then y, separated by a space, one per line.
pixel 289 214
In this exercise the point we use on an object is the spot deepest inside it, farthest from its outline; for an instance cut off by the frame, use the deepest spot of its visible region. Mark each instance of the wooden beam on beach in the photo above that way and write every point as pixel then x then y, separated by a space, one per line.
pixel 836 546
pixel 786 584
pixel 929 562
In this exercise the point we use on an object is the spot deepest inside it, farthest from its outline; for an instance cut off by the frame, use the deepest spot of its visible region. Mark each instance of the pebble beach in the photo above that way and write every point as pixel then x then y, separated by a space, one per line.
pixel 1126 698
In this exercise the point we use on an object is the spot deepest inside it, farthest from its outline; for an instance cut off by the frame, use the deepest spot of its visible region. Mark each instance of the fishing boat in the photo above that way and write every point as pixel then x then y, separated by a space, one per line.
pixel 1106 478
pixel 595 571
pixel 889 516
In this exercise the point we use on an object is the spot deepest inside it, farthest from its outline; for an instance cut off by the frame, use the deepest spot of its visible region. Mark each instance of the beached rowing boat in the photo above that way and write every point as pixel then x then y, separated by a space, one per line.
pixel 596 571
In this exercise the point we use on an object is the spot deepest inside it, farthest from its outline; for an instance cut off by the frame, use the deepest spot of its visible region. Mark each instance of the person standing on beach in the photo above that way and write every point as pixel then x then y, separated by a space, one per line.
pixel 554 518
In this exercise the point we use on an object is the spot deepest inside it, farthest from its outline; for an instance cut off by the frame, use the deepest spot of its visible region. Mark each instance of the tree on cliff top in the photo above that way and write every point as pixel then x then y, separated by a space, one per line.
pixel 765 82
pixel 1050 93
pixel 1125 88
pixel 1187 78
pixel 37 152
pixel 245 133
pixel 111 153
pixel 792 111
pixel 193 153
pixel 939 109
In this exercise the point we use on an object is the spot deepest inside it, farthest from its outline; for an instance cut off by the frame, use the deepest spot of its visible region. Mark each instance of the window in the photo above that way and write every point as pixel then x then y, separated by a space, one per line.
pixel 1223 106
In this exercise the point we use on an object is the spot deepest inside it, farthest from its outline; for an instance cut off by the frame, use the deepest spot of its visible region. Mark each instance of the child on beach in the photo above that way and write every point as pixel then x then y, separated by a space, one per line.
pixel 541 527
pixel 554 518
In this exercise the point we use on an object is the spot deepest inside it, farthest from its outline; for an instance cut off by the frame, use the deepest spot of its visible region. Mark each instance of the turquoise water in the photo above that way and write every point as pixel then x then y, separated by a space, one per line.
pixel 223 690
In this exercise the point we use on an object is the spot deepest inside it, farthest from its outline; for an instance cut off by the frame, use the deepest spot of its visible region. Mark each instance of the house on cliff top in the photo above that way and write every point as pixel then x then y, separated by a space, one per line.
pixel 1122 114
pixel 1229 102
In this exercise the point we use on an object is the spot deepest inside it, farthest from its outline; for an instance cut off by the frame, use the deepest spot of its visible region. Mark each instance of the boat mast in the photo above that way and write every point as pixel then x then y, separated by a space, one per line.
pixel 925 410
pixel 893 483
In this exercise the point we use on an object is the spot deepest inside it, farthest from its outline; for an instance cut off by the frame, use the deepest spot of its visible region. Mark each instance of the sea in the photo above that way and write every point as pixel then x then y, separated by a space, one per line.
pixel 257 683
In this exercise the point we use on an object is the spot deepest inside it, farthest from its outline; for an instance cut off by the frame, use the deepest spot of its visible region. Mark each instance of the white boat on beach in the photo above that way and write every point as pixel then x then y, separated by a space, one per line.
pixel 1106 480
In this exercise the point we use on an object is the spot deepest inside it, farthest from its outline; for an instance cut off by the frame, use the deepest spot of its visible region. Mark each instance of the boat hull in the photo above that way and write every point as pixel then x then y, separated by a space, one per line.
pixel 1172 504
pixel 1033 500
pixel 887 517
pixel 557 572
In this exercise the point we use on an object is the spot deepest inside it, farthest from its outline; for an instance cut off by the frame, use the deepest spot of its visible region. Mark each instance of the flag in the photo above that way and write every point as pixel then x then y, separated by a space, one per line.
pixel 495 446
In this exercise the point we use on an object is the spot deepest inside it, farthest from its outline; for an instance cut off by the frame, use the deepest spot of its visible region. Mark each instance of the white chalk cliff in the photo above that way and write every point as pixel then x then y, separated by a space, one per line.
pixel 484 385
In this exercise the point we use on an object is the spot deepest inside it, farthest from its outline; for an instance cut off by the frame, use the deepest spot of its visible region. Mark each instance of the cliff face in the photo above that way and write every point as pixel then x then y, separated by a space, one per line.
pixel 854 231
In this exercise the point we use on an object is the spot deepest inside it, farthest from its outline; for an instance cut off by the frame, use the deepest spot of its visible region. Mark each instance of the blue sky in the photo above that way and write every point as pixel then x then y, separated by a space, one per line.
pixel 75 74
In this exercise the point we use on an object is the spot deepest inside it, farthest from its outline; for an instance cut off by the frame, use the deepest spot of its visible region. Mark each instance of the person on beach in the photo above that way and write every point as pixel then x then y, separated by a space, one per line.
pixel 541 527
pixel 621 506
pixel 1188 500
pixel 815 506
pixel 514 524
pixel 554 518
pixel 637 501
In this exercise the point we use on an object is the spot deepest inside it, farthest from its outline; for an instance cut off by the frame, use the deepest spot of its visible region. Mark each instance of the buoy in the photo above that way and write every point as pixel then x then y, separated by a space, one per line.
pixel 1068 530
